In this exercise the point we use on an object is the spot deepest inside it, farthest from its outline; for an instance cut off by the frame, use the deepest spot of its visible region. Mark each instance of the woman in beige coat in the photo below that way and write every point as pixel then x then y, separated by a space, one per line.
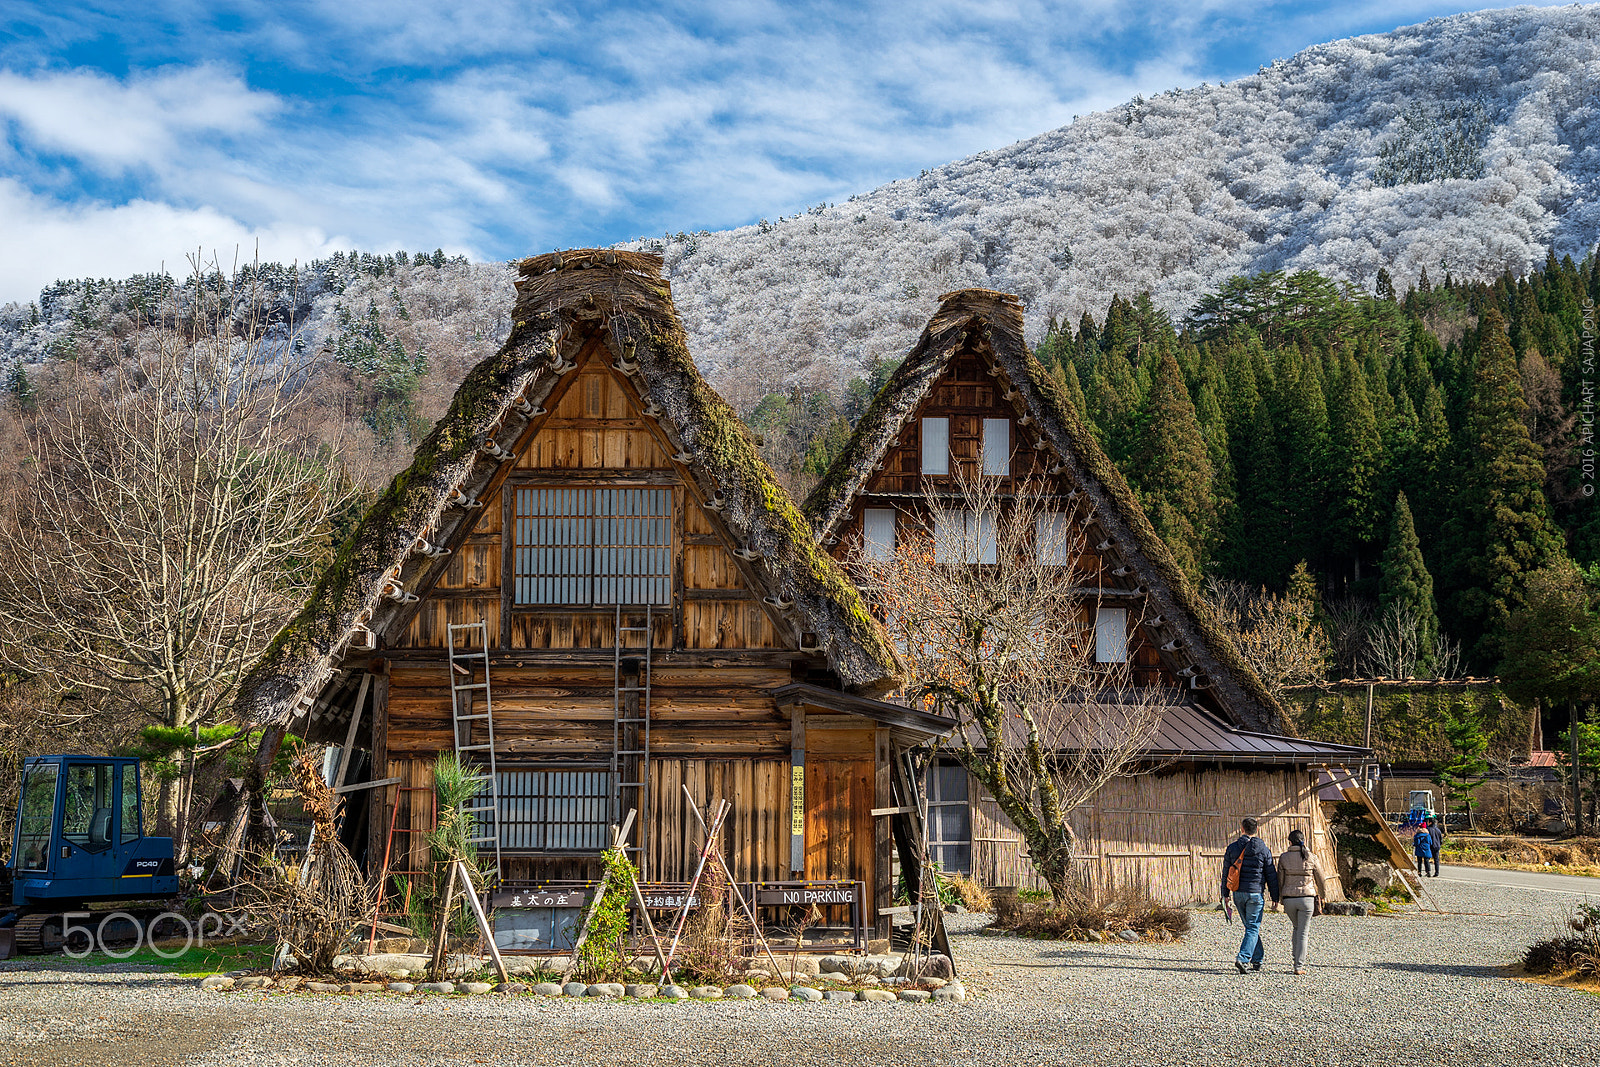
pixel 1301 885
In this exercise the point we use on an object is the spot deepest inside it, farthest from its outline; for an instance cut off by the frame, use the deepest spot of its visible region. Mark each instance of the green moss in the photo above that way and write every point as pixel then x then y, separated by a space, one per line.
pixel 1408 722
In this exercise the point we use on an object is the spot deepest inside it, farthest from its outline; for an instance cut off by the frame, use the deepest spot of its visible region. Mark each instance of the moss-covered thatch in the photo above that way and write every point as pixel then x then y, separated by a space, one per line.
pixel 564 300
pixel 990 323
pixel 1408 719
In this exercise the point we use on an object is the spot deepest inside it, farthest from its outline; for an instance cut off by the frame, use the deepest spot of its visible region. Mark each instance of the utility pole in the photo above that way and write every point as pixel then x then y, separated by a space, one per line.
pixel 1577 786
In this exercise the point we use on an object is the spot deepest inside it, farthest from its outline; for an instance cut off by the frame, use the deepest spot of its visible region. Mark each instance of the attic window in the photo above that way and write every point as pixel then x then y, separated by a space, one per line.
pixel 962 537
pixel 877 534
pixel 592 547
pixel 1111 635
pixel 997 446
pixel 1053 540
pixel 935 446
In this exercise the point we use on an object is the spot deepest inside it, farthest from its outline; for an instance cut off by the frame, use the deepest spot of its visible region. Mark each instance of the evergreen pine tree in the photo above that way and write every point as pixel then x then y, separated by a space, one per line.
pixel 1355 452
pixel 1172 469
pixel 1404 581
pixel 1501 528
pixel 20 389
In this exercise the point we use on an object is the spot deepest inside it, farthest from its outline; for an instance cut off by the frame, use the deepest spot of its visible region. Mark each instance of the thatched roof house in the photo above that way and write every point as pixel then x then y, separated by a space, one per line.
pixel 649 619
pixel 971 396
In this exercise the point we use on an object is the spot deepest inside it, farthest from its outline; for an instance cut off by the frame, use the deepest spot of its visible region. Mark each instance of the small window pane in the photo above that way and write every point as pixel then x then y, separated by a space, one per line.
pixel 877 534
pixel 37 811
pixel 86 815
pixel 983 539
pixel 935 446
pixel 950 782
pixel 949 537
pixel 129 776
pixel 997 446
pixel 1111 635
pixel 1052 539
pixel 559 810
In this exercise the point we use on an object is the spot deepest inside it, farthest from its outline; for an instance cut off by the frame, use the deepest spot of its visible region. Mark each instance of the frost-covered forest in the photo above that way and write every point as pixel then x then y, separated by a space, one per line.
pixel 1468 144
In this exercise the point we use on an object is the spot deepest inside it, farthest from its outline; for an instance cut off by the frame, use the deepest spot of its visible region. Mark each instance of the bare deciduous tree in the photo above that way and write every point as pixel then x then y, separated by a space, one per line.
pixel 985 595
pixel 173 517
pixel 1277 635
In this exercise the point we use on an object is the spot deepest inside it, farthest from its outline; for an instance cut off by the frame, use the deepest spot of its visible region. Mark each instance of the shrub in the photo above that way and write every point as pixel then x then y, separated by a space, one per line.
pixel 969 893
pixel 1085 917
pixel 1575 953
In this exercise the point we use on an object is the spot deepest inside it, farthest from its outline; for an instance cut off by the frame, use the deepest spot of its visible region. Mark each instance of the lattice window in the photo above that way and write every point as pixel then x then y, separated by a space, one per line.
pixel 591 547
pixel 949 819
pixel 554 810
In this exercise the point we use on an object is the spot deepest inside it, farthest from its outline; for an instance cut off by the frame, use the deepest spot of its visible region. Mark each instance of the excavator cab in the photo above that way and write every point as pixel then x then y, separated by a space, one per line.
pixel 80 840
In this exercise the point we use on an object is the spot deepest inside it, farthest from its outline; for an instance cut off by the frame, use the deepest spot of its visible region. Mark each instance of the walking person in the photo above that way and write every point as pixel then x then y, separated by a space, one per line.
pixel 1301 881
pixel 1422 845
pixel 1436 831
pixel 1250 875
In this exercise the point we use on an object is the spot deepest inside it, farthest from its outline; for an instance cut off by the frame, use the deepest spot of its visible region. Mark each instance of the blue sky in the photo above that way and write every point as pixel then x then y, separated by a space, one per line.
pixel 499 129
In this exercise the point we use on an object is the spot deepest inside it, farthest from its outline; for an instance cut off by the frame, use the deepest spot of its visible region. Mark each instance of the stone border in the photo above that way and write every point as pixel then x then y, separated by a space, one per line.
pixel 885 991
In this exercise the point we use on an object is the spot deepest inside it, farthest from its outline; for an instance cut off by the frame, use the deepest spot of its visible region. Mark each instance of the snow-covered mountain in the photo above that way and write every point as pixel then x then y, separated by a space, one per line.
pixel 1469 144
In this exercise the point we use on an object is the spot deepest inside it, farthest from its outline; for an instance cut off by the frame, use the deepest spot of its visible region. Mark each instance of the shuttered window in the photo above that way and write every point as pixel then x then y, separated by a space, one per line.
pixel 557 810
pixel 877 534
pixel 997 446
pixel 590 547
pixel 1053 540
pixel 935 446
pixel 949 819
pixel 962 537
pixel 1111 635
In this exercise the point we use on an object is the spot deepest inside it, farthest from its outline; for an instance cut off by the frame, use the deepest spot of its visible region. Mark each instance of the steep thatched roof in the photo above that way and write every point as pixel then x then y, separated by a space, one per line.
pixel 564 300
pixel 990 323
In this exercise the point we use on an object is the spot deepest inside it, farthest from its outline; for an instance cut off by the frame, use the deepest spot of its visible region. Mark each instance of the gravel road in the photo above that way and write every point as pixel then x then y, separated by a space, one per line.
pixel 1425 989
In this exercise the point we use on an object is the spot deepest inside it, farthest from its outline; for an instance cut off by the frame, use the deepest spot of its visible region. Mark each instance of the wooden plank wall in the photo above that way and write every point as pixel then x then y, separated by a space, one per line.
pixel 1168 830
pixel 596 434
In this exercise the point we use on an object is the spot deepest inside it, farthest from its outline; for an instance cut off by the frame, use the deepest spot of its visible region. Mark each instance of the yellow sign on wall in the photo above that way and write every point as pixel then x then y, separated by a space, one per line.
pixel 797 800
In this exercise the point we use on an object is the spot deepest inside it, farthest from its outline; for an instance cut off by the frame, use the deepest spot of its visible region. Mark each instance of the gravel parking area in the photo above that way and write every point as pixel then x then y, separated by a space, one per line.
pixel 1425 989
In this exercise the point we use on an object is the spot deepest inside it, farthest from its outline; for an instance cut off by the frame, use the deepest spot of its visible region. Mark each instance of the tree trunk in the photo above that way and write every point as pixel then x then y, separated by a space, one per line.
pixel 1055 859
pixel 255 784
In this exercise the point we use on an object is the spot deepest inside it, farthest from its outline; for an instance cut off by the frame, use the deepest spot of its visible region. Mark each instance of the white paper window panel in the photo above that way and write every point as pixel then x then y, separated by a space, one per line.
pixel 593 546
pixel 1111 635
pixel 997 446
pixel 961 537
pixel 935 446
pixel 559 810
pixel 877 533
pixel 1053 538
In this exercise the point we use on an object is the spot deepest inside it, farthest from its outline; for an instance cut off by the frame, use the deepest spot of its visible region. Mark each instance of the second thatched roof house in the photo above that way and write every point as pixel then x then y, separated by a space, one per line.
pixel 970 395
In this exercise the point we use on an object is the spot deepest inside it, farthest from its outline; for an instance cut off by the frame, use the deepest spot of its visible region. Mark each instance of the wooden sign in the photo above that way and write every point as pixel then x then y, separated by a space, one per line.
pixel 822 894
pixel 666 900
pixel 797 800
pixel 540 898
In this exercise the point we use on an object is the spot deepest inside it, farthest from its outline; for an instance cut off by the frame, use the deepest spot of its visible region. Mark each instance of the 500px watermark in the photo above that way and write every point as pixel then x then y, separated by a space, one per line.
pixel 1586 401
pixel 79 940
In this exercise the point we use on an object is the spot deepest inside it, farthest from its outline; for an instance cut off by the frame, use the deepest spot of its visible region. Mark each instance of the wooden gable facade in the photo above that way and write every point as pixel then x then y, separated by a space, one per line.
pixel 661 629
pixel 971 399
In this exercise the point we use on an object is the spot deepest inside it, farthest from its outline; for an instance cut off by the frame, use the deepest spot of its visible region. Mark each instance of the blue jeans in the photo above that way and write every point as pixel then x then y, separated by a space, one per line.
pixel 1250 906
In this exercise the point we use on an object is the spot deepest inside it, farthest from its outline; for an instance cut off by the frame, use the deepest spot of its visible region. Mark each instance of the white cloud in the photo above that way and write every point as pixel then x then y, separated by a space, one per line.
pixel 52 240
pixel 141 122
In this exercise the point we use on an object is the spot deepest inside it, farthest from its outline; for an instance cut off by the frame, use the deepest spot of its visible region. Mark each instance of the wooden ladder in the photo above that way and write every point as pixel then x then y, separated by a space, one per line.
pixel 630 734
pixel 466 665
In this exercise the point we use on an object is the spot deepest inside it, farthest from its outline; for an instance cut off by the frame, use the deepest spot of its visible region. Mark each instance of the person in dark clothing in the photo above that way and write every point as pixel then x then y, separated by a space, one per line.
pixel 1436 832
pixel 1422 844
pixel 1257 877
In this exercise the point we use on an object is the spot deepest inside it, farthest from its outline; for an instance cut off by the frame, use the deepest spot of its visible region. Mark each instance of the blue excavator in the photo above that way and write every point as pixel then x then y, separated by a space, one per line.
pixel 79 845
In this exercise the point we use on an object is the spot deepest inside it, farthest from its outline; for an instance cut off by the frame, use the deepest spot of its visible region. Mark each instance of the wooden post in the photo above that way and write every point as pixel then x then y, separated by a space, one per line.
pixel 1366 738
pixel 376 820
pixel 350 733
pixel 797 790
pixel 441 936
pixel 1577 779
pixel 483 920
pixel 883 840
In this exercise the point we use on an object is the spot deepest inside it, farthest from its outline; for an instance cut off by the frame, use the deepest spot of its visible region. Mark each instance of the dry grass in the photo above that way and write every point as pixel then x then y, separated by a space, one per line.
pixel 1574 953
pixel 1577 856
pixel 1084 917
pixel 970 894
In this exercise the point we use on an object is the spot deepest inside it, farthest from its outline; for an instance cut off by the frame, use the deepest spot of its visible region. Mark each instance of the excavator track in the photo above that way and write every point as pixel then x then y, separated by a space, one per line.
pixel 39 933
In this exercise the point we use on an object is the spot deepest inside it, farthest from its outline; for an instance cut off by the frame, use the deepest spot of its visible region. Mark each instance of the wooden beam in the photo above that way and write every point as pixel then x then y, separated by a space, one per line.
pixel 350 733
pixel 356 787
pixel 797 792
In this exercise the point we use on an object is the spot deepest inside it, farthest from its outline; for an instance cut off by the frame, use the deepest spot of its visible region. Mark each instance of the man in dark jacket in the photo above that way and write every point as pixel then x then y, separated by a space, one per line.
pixel 1258 876
pixel 1436 835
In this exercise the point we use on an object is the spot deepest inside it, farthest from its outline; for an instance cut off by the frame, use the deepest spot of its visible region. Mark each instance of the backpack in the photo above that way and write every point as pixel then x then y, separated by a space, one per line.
pixel 1236 868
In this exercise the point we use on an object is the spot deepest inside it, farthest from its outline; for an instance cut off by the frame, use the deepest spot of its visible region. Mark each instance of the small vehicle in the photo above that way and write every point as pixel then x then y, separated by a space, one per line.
pixel 79 844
